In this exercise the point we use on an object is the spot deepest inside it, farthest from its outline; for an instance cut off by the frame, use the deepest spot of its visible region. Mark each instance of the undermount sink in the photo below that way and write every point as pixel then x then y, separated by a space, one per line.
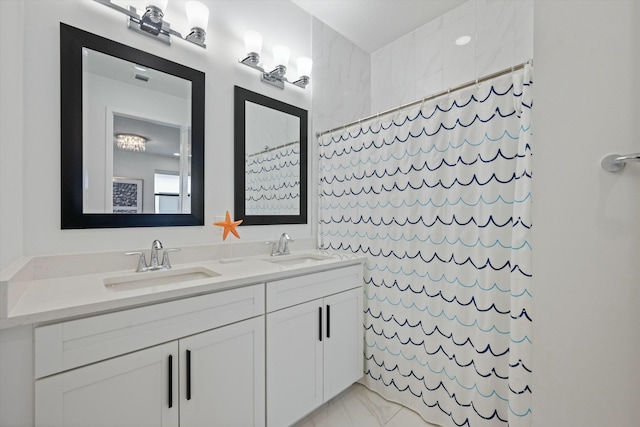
pixel 288 260
pixel 157 278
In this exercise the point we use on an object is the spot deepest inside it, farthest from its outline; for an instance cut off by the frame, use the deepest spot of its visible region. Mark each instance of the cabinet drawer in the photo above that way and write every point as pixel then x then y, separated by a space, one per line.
pixel 296 290
pixel 79 342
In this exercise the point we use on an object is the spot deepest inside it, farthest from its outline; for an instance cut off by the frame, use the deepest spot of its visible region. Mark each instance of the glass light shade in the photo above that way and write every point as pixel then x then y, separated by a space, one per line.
pixel 304 66
pixel 253 42
pixel 160 4
pixel 281 55
pixel 140 5
pixel 197 14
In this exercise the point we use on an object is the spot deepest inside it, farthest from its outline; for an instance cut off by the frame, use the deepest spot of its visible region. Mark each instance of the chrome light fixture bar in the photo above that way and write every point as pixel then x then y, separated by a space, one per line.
pixel 275 77
pixel 152 22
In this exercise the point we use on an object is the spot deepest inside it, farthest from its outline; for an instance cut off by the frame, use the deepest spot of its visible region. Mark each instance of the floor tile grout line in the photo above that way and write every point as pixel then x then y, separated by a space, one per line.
pixel 394 414
pixel 427 423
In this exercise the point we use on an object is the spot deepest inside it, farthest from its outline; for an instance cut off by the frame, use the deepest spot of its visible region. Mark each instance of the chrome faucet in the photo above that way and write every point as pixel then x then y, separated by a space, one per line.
pixel 155 247
pixel 154 264
pixel 281 247
pixel 283 244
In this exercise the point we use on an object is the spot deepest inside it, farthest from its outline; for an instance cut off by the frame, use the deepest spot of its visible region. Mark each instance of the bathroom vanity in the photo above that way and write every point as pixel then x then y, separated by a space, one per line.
pixel 245 342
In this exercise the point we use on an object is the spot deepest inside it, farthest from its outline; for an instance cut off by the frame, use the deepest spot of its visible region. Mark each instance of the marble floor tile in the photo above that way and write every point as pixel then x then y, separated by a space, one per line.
pixel 407 418
pixel 355 407
pixel 359 407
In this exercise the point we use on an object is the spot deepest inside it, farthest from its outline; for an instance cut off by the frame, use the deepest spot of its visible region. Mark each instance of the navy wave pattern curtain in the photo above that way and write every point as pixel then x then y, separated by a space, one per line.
pixel 438 198
pixel 273 181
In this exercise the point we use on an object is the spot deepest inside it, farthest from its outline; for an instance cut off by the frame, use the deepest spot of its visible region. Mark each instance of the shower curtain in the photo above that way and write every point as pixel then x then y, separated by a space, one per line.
pixel 273 181
pixel 438 198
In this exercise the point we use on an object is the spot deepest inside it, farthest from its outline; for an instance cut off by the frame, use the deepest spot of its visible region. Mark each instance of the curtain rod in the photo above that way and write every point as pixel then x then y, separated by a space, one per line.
pixel 273 149
pixel 434 96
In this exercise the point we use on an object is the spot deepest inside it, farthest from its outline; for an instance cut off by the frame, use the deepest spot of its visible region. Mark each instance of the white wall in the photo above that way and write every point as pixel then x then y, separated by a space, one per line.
pixel 33 210
pixel 11 132
pixel 586 221
pixel 427 61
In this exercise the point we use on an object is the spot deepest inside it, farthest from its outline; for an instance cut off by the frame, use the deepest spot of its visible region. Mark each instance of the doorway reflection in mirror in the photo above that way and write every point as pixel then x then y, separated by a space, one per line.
pixel 143 115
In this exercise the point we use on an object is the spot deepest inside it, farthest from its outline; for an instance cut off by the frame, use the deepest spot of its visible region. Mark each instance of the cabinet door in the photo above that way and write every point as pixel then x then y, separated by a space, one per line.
pixel 294 363
pixel 131 390
pixel 343 343
pixel 222 376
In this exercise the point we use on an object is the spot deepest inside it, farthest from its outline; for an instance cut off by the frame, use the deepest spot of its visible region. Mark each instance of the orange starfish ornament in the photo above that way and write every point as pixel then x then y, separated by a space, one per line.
pixel 229 226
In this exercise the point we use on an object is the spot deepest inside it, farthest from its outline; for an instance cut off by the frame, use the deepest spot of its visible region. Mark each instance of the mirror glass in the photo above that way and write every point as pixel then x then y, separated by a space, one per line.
pixel 136 129
pixel 270 160
pixel 132 136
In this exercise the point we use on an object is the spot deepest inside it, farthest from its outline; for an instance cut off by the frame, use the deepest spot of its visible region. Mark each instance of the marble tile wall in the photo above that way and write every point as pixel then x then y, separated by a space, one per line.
pixel 341 79
pixel 427 60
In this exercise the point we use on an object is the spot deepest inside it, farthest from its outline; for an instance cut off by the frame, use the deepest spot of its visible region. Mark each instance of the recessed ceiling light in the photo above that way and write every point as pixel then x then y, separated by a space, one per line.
pixel 461 41
pixel 176 154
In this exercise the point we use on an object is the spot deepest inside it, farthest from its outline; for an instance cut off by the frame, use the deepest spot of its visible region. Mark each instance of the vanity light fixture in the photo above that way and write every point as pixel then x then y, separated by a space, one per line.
pixel 130 142
pixel 275 77
pixel 151 21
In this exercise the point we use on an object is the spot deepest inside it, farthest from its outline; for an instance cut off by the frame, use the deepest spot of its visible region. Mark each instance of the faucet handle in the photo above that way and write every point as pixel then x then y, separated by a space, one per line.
pixel 165 257
pixel 274 246
pixel 142 261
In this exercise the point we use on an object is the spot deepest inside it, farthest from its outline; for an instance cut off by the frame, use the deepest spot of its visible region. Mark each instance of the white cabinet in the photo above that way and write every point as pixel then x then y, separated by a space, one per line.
pixel 224 377
pixel 130 390
pixel 343 342
pixel 212 378
pixel 314 348
pixel 209 360
pixel 294 364
pixel 191 362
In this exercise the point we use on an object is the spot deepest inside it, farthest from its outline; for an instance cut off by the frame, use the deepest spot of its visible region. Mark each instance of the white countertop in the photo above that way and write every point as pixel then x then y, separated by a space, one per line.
pixel 53 299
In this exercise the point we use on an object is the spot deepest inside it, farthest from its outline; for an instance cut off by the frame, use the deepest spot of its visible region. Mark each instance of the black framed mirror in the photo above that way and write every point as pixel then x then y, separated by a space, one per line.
pixel 270 160
pixel 132 136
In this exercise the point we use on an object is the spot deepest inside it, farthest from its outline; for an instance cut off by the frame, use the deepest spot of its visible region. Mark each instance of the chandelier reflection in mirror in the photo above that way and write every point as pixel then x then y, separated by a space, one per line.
pixel 275 77
pixel 130 142
pixel 147 17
